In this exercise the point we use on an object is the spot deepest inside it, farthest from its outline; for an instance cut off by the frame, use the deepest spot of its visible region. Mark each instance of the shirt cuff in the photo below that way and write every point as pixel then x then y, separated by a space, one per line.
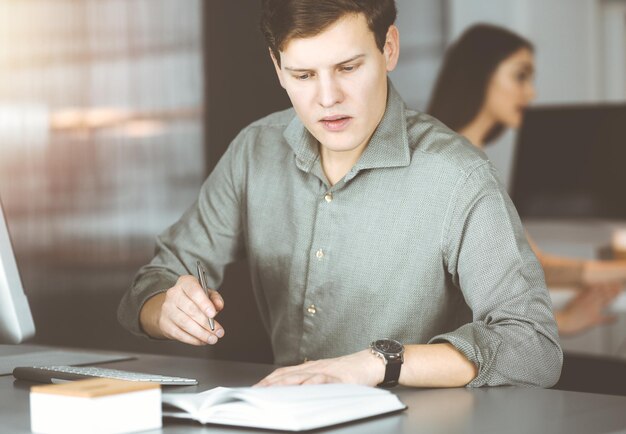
pixel 132 302
pixel 479 346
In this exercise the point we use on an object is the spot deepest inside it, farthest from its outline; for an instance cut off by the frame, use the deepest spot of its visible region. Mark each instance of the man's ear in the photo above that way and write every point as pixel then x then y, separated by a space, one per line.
pixel 277 68
pixel 392 48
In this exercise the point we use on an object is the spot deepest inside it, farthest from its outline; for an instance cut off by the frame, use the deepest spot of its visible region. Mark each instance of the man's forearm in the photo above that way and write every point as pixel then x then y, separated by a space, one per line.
pixel 433 365
pixel 436 365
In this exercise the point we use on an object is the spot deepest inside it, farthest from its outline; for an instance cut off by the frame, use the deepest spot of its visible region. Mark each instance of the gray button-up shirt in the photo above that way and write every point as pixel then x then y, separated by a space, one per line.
pixel 419 242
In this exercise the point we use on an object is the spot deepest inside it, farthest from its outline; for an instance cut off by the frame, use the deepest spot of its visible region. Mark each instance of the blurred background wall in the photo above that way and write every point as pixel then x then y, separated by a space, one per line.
pixel 101 147
pixel 112 113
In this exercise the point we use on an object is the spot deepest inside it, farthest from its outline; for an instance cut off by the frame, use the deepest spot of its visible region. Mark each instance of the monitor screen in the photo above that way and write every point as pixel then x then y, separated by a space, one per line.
pixel 571 162
pixel 16 321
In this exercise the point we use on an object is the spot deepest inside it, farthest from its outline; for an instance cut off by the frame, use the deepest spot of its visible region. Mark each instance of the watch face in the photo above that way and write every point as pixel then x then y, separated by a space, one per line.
pixel 388 346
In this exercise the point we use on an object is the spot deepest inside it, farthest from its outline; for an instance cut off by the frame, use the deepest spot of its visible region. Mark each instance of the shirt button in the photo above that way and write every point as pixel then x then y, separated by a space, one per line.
pixel 328 197
pixel 319 254
pixel 312 309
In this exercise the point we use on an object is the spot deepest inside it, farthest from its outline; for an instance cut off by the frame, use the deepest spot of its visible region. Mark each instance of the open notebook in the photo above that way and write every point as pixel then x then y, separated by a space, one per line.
pixel 289 408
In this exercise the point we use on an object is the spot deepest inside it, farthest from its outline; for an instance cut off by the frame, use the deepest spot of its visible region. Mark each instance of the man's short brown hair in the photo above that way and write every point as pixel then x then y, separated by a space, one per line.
pixel 283 20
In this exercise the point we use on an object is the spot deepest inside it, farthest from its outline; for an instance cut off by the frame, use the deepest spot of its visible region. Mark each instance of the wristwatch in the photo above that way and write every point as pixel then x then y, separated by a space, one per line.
pixel 392 354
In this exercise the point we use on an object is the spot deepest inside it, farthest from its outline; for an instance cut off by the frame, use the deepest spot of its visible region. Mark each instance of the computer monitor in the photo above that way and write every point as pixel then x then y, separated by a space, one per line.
pixel 571 162
pixel 16 321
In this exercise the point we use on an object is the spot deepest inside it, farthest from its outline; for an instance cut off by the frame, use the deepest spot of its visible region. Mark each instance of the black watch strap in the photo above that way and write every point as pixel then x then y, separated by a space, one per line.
pixel 392 373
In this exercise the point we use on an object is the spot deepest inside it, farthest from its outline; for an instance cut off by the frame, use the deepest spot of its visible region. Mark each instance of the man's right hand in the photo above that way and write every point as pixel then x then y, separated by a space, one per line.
pixel 182 313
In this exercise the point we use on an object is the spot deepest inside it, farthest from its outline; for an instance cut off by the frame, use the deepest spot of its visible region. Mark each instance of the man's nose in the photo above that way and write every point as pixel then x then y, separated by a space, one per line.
pixel 329 92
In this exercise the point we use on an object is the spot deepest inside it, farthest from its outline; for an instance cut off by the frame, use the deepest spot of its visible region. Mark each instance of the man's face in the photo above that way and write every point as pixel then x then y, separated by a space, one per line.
pixel 337 82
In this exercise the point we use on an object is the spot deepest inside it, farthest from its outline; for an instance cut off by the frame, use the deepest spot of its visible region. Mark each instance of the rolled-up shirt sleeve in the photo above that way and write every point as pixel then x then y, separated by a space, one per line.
pixel 513 336
pixel 209 231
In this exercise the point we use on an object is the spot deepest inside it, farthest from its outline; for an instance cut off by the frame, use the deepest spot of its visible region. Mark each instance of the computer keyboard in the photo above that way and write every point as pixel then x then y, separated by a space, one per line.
pixel 62 373
pixel 22 355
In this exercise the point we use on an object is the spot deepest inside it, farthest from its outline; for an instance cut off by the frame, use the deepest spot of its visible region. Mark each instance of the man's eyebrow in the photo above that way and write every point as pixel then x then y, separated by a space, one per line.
pixel 352 59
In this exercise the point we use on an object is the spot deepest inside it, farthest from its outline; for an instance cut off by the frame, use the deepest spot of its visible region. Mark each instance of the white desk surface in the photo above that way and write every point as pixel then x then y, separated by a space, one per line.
pixel 510 410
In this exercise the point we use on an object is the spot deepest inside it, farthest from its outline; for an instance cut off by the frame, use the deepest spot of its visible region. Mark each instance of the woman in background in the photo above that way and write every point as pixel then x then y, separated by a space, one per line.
pixel 484 86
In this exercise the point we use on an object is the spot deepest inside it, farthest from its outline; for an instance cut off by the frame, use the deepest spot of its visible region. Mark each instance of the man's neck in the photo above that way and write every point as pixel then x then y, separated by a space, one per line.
pixel 337 164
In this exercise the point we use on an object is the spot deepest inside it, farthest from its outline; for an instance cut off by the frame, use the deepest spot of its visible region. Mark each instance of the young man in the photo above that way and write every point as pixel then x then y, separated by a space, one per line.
pixel 361 221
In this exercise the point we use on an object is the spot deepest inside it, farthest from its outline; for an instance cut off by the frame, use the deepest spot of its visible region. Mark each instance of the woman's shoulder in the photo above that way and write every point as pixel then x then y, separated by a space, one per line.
pixel 430 138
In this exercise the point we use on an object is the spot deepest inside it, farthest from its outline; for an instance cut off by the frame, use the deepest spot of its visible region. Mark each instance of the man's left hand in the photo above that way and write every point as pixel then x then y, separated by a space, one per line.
pixel 358 368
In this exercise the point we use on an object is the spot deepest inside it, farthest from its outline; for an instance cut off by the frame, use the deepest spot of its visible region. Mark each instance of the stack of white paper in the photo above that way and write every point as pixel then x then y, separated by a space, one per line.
pixel 101 405
pixel 293 408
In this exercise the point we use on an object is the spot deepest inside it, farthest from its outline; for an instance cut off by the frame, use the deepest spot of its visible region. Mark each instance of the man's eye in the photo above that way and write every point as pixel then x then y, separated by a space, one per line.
pixel 303 76
pixel 348 68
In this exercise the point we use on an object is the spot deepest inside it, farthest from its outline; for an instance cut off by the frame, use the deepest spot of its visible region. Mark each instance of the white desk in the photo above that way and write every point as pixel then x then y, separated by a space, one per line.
pixel 510 410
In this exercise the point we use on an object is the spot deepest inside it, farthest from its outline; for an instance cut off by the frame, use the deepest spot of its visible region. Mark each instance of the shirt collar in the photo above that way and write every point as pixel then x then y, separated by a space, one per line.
pixel 388 146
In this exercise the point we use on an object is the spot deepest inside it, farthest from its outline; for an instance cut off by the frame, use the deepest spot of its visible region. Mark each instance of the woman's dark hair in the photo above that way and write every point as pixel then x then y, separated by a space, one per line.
pixel 283 20
pixel 468 66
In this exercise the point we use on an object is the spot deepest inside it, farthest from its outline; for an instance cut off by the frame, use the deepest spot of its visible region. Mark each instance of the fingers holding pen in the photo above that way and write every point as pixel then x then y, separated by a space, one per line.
pixel 185 313
pixel 183 329
pixel 181 318
pixel 200 298
pixel 192 310
pixel 216 299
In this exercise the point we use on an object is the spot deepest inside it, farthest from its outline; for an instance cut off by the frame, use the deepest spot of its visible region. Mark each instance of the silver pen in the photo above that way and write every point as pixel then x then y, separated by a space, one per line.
pixel 202 279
